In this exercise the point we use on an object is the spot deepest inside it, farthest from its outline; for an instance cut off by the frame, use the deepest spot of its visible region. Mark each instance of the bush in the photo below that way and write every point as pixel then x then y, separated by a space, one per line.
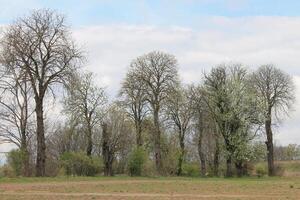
pixel 79 164
pixel 7 171
pixel 136 162
pixel 260 170
pixel 279 169
pixel 190 169
pixel 15 160
pixel 149 168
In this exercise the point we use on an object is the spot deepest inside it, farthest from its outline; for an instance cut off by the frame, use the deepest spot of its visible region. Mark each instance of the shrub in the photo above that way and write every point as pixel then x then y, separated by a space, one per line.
pixel 190 169
pixel 136 161
pixel 149 168
pixel 15 160
pixel 79 164
pixel 279 169
pixel 7 171
pixel 260 170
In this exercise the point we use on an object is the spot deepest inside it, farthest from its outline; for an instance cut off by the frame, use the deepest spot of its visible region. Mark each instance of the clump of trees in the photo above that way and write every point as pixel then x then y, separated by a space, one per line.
pixel 157 125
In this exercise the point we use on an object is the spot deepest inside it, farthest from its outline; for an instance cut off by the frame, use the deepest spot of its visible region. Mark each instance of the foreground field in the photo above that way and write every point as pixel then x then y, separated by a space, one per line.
pixel 149 188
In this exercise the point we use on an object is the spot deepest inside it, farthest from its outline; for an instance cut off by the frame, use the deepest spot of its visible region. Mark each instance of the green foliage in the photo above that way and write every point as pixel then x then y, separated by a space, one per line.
pixel 170 155
pixel 190 169
pixel 15 160
pixel 259 150
pixel 79 164
pixel 260 170
pixel 136 161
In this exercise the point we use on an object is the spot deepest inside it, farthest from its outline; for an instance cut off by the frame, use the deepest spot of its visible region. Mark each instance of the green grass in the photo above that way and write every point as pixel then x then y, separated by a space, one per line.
pixel 291 166
pixel 103 178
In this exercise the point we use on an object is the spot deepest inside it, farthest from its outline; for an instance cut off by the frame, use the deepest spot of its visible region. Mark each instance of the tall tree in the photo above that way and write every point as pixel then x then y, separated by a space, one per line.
pixel 134 99
pixel 201 119
pixel 275 92
pixel 16 113
pixel 179 110
pixel 116 131
pixel 40 45
pixel 84 103
pixel 158 71
pixel 232 106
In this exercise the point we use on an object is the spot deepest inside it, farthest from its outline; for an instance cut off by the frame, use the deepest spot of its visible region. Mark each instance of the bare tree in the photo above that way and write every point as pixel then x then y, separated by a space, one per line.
pixel 41 46
pixel 275 92
pixel 16 113
pixel 158 71
pixel 179 110
pixel 134 99
pixel 116 131
pixel 84 103
pixel 201 120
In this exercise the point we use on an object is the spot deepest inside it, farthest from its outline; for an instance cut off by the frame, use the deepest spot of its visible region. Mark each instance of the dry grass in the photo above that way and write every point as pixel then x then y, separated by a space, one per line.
pixel 150 188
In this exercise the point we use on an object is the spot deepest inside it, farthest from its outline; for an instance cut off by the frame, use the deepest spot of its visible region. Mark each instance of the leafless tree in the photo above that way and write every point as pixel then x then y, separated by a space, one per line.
pixel 116 134
pixel 40 45
pixel 84 103
pixel 134 99
pixel 275 92
pixel 179 110
pixel 16 124
pixel 201 120
pixel 158 71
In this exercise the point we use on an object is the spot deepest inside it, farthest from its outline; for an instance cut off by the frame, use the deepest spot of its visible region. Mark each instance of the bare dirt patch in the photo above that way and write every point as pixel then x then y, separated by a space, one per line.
pixel 285 188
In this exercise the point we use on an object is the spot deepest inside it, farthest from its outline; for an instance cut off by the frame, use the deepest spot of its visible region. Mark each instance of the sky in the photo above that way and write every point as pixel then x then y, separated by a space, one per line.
pixel 200 33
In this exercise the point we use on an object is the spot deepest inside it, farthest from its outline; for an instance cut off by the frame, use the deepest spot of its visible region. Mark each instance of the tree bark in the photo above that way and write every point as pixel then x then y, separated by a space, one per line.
pixel 106 153
pixel 157 147
pixel 41 146
pixel 89 141
pixel 25 157
pixel 138 129
pixel 229 167
pixel 201 156
pixel 216 158
pixel 181 156
pixel 269 143
pixel 200 150
pixel 24 146
pixel 239 169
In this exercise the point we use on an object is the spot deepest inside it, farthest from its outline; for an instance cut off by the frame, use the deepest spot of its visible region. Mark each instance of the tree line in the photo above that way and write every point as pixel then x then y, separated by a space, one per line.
pixel 216 122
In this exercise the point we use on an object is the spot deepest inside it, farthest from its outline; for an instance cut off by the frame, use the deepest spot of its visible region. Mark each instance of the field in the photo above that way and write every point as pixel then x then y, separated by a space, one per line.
pixel 149 188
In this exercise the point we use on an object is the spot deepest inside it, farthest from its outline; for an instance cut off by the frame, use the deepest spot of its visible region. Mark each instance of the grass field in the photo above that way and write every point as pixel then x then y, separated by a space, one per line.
pixel 149 188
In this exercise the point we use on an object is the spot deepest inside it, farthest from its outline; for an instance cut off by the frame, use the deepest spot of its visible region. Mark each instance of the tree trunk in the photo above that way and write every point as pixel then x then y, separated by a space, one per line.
pixel 216 158
pixel 108 165
pixel 25 160
pixel 229 167
pixel 157 148
pixel 201 156
pixel 181 156
pixel 269 144
pixel 106 152
pixel 89 148
pixel 200 150
pixel 138 129
pixel 239 168
pixel 40 133
pixel 24 149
